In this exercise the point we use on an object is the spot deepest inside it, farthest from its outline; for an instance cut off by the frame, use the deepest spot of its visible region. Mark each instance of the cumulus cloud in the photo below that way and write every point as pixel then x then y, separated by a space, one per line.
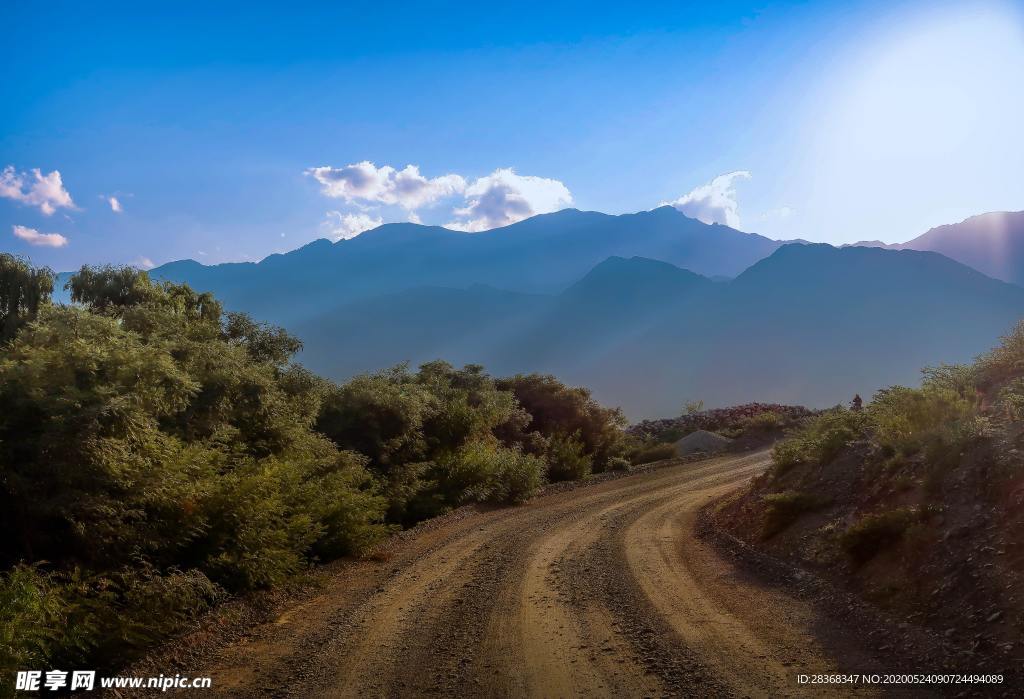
pixel 714 202
pixel 503 197
pixel 498 199
pixel 341 226
pixel 115 204
pixel 35 189
pixel 365 183
pixel 143 262
pixel 34 237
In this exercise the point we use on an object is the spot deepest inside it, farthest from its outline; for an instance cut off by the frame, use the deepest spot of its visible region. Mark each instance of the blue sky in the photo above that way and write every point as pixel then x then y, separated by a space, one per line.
pixel 228 132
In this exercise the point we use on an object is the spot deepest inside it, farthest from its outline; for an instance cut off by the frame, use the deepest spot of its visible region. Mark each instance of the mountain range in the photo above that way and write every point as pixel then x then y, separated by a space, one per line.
pixel 543 254
pixel 650 310
pixel 810 324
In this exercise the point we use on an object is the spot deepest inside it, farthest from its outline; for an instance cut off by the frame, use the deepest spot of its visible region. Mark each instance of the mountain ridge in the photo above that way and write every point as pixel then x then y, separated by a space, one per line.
pixel 992 243
pixel 541 254
pixel 775 333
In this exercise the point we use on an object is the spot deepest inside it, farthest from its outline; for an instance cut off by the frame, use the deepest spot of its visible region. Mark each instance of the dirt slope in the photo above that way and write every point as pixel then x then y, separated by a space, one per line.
pixel 599 591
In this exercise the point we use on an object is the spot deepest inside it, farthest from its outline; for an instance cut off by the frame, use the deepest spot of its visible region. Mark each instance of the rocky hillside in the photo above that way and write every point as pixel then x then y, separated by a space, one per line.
pixel 726 420
pixel 914 501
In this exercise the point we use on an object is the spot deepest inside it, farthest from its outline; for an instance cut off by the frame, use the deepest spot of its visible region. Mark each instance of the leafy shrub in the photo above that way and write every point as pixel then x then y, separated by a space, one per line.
pixel 618 463
pixel 555 410
pixel 1011 396
pixel 567 459
pixel 486 472
pixel 1004 362
pixel 517 476
pixel 657 452
pixel 908 420
pixel 961 379
pixel 782 509
pixel 819 441
pixel 875 532
pixel 52 619
pixel 380 415
pixel 31 620
pixel 693 407
pixel 123 612
pixel 763 422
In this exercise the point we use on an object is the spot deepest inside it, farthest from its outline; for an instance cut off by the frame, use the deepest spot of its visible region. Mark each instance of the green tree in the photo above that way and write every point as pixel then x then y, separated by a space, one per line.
pixel 143 424
pixel 23 291
pixel 157 453
pixel 568 412
pixel 109 287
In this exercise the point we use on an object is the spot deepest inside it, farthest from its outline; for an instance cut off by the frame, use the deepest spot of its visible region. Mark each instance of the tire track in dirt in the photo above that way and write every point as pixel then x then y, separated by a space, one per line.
pixel 599 591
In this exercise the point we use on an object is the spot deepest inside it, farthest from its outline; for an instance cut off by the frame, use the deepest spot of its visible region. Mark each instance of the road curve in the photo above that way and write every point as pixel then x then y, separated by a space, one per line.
pixel 599 591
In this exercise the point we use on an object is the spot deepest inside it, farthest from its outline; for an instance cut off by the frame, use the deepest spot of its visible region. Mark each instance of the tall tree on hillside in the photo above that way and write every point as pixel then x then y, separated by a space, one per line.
pixel 103 288
pixel 23 289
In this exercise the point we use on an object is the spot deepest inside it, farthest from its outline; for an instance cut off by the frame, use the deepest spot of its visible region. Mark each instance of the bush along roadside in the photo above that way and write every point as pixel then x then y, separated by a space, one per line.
pixel 159 455
pixel 914 500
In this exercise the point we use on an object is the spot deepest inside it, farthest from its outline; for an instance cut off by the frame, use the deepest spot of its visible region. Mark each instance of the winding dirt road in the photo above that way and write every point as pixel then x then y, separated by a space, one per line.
pixel 599 591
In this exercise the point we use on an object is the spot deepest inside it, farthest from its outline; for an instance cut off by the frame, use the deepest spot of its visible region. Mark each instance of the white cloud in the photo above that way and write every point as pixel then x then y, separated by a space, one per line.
pixel 35 189
pixel 366 183
pixel 34 237
pixel 341 226
pixel 115 204
pixel 498 199
pixel 714 202
pixel 503 197
pixel 143 263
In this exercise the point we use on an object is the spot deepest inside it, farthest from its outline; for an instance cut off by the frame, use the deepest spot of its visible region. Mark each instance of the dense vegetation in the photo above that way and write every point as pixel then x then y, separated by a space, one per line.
pixel 932 425
pixel 158 454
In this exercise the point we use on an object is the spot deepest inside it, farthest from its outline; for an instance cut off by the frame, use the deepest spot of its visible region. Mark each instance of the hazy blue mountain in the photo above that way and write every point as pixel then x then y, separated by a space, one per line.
pixel 991 243
pixel 543 254
pixel 809 324
pixel 508 331
pixel 462 326
pixel 814 324
pixel 615 301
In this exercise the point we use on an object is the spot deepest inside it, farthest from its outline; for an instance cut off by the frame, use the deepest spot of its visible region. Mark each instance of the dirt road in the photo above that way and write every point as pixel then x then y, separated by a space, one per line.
pixel 599 591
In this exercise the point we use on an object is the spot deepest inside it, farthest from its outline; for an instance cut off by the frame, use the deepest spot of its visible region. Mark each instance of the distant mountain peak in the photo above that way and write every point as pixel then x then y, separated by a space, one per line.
pixel 619 275
pixel 992 243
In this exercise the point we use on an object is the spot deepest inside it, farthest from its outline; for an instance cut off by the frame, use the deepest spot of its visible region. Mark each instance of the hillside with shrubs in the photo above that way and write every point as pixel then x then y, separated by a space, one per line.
pixel 913 501
pixel 734 421
pixel 159 455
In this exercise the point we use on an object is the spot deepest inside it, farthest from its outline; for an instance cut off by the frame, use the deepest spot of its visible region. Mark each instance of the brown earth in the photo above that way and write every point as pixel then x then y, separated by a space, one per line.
pixel 948 592
pixel 604 590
